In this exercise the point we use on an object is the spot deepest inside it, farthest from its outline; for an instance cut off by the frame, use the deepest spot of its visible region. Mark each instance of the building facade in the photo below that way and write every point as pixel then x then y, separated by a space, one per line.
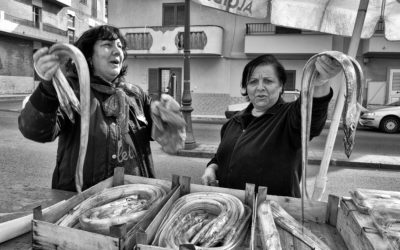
pixel 27 25
pixel 221 45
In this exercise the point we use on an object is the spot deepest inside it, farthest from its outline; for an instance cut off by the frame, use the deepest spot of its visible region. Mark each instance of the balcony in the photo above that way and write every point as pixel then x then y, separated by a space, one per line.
pixel 378 45
pixel 266 38
pixel 204 40
pixel 27 28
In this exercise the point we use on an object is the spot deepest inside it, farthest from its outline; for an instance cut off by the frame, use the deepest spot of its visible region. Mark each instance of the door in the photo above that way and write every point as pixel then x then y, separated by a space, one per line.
pixel 154 84
pixel 394 85
pixel 165 80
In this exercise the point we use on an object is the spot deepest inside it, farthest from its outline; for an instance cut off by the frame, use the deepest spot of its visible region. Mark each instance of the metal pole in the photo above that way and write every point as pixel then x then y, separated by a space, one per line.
pixel 187 109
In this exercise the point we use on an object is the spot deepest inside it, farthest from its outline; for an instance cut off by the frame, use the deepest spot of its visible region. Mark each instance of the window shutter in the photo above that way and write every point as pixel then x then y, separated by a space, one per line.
pixel 290 80
pixel 168 15
pixel 154 84
pixel 396 81
pixel 180 16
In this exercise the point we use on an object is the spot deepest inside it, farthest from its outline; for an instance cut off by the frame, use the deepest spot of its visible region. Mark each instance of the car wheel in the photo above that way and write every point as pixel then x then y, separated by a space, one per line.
pixel 390 124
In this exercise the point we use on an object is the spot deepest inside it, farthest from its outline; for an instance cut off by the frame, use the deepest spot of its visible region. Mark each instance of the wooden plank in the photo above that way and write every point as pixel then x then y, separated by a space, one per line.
pixel 332 210
pixel 249 194
pixel 68 238
pixel 55 214
pixel 148 247
pixel 155 224
pixel 131 179
pixel 286 239
pixel 146 220
pixel 202 188
pixel 313 210
pixel 353 227
pixel 37 213
pixel 185 185
pixel 327 234
pixel 284 220
pixel 175 181
pixel 118 177
pixel 300 245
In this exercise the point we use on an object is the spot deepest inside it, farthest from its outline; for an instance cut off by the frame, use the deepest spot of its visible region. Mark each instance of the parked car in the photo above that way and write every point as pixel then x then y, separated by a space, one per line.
pixel 385 118
pixel 288 96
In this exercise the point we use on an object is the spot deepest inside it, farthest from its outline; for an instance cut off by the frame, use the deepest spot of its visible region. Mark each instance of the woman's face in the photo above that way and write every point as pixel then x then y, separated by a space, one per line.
pixel 107 59
pixel 263 87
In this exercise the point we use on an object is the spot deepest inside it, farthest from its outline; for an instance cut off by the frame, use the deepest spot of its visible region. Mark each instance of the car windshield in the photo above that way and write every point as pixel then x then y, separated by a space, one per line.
pixel 394 103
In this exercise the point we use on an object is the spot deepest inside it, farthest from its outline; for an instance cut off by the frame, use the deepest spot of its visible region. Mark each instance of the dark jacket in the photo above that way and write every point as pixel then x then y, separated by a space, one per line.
pixel 42 120
pixel 266 150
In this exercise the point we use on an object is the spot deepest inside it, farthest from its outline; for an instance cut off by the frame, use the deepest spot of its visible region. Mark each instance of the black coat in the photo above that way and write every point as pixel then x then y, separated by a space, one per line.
pixel 266 150
pixel 42 120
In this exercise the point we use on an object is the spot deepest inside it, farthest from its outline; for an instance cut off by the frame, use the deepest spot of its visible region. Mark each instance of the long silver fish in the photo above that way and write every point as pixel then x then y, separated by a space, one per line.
pixel 68 100
pixel 351 112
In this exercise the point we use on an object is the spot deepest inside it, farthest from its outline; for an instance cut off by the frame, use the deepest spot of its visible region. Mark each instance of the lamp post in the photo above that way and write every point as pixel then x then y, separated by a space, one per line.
pixel 187 109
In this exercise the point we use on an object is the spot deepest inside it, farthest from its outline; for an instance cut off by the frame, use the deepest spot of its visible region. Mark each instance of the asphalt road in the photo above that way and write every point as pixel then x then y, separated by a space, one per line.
pixel 368 141
pixel 28 164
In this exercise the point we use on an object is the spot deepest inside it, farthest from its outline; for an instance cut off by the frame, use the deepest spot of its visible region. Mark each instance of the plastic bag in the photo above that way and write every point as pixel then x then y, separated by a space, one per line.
pixel 168 124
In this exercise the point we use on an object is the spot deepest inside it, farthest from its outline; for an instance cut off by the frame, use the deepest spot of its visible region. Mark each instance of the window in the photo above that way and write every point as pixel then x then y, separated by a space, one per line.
pixel 173 14
pixel 83 2
pixel 290 80
pixel 70 20
pixel 71 36
pixel 284 30
pixel 106 9
pixel 37 15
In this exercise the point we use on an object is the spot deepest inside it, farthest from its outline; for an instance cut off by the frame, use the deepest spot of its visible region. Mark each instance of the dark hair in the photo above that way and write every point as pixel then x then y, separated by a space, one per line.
pixel 87 40
pixel 262 60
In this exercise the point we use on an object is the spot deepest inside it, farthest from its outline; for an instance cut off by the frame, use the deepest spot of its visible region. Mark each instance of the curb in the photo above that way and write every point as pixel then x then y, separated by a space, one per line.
pixel 10 110
pixel 209 153
pixel 8 98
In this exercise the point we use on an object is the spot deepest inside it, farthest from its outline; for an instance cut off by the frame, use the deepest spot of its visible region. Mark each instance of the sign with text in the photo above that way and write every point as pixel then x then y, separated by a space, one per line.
pixel 249 8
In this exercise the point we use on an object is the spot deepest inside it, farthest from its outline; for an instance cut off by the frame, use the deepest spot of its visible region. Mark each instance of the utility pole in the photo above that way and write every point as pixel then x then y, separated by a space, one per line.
pixel 187 109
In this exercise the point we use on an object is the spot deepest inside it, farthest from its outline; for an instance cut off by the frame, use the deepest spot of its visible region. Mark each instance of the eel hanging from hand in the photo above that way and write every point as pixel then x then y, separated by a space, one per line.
pixel 69 102
pixel 351 112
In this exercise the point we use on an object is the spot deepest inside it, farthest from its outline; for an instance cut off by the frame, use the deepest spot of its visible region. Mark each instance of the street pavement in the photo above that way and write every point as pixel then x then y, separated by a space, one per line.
pixel 207 147
pixel 27 165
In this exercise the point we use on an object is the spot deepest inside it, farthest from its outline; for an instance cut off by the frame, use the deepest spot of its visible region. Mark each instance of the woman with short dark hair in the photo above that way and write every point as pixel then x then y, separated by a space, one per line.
pixel 262 143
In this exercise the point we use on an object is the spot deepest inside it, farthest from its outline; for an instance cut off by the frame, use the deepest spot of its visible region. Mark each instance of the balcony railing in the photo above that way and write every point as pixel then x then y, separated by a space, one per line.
pixel 139 40
pixel 198 40
pixel 260 28
pixel 156 40
pixel 380 27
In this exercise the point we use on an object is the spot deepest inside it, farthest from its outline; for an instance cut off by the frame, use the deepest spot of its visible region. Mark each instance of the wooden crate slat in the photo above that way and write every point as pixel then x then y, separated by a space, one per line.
pixel 313 210
pixel 352 227
pixel 235 192
pixel 155 224
pixel 50 236
pixel 286 239
pixel 55 214
pixel 327 234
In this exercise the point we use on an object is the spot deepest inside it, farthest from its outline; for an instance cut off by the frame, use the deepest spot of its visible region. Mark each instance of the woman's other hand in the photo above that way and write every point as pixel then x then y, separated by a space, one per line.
pixel 209 177
pixel 45 64
pixel 327 68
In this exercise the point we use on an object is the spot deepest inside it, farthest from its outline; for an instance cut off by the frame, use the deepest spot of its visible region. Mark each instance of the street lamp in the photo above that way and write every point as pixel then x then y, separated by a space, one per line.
pixel 187 109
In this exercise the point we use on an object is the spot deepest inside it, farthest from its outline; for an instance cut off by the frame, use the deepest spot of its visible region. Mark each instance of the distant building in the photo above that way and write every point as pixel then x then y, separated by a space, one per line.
pixel 27 25
pixel 222 43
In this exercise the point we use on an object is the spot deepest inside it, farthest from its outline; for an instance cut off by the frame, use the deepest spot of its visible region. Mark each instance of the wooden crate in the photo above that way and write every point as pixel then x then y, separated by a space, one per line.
pixel 48 235
pixel 320 218
pixel 146 237
pixel 357 229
